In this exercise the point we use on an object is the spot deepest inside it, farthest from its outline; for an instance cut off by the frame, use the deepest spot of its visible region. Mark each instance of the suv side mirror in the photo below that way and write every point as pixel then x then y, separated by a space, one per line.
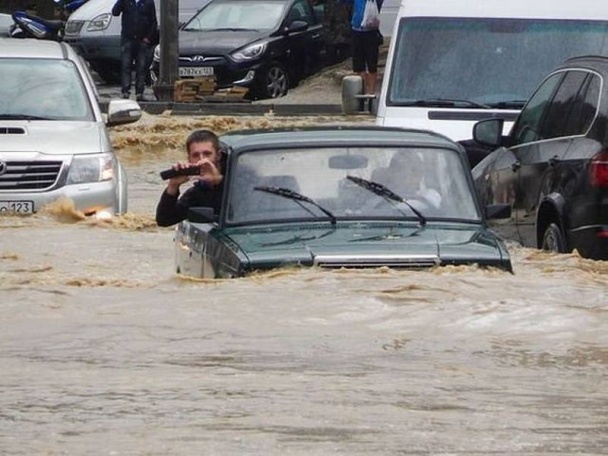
pixel 122 112
pixel 498 211
pixel 489 132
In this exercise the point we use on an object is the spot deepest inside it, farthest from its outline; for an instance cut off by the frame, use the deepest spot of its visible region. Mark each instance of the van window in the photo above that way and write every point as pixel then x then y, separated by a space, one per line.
pixel 490 61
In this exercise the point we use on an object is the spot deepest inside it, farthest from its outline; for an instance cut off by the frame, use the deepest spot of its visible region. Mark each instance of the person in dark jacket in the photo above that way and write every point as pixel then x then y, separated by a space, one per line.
pixel 138 33
pixel 203 150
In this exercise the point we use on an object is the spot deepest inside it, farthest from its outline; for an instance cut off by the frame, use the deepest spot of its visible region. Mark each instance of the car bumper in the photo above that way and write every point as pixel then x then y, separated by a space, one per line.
pixel 225 76
pixel 98 48
pixel 591 241
pixel 88 198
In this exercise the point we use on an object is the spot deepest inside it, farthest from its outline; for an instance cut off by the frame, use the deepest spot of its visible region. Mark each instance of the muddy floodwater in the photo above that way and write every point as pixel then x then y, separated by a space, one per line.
pixel 104 350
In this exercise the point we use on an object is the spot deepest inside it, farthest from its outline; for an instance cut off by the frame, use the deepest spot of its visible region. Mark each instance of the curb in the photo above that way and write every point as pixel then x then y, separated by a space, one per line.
pixel 240 109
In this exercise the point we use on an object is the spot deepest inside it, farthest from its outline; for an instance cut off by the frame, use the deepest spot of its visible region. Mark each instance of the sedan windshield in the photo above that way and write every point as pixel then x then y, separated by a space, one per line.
pixel 40 89
pixel 237 15
pixel 329 184
pixel 493 62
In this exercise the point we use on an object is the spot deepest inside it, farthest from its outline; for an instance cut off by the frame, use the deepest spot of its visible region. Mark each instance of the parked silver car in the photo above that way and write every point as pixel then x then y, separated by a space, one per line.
pixel 53 137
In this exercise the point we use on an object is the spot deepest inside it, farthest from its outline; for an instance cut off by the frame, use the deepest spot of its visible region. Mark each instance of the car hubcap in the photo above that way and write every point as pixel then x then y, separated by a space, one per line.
pixel 277 82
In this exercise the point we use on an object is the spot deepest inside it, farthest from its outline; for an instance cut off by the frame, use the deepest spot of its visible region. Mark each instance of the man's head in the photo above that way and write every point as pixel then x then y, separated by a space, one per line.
pixel 203 144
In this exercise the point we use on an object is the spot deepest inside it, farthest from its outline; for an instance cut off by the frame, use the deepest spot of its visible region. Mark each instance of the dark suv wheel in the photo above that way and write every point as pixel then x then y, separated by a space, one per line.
pixel 554 239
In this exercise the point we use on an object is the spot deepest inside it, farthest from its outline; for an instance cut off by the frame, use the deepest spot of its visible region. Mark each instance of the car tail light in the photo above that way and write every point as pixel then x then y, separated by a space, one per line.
pixel 599 170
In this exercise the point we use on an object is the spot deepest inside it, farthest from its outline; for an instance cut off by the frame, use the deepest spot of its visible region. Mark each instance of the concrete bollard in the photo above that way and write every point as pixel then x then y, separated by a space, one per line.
pixel 352 86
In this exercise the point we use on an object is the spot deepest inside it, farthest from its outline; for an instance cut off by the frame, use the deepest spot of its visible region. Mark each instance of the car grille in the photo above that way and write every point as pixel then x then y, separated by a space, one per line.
pixel 73 27
pixel 376 261
pixel 29 175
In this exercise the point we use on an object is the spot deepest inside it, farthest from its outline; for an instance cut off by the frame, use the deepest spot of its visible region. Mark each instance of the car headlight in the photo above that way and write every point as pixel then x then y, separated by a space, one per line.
pixel 255 51
pixel 91 168
pixel 156 55
pixel 100 22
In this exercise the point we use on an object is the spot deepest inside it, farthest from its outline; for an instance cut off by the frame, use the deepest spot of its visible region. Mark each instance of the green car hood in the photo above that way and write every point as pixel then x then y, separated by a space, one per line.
pixel 369 245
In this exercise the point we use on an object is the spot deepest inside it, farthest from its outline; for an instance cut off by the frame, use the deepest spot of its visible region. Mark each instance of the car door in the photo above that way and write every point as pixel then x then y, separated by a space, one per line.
pixel 538 159
pixel 305 46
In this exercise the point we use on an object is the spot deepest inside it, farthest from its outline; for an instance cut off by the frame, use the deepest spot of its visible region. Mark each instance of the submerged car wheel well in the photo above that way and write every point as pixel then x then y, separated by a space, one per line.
pixel 548 213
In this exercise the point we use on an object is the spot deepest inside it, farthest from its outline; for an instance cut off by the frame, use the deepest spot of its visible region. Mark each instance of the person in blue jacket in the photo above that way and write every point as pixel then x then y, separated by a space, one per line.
pixel 366 41
pixel 138 33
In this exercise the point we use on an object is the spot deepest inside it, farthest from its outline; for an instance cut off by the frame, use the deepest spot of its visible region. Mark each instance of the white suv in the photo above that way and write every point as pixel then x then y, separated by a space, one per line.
pixel 53 137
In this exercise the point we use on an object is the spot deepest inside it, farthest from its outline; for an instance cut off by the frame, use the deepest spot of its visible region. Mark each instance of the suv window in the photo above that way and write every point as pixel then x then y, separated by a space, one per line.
pixel 584 107
pixel 559 110
pixel 527 127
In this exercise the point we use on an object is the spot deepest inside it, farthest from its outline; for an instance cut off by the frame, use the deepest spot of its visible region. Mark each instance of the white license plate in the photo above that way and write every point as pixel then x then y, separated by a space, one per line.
pixel 19 207
pixel 195 71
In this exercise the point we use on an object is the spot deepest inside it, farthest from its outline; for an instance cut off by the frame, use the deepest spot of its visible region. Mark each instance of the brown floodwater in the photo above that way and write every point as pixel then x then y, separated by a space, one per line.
pixel 104 350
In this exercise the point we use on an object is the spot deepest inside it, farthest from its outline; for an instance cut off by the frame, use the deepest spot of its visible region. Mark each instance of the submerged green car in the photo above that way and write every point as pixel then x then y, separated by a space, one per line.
pixel 340 197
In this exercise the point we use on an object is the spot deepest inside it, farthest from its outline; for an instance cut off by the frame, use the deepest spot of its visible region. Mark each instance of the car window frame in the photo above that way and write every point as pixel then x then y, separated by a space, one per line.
pixel 515 136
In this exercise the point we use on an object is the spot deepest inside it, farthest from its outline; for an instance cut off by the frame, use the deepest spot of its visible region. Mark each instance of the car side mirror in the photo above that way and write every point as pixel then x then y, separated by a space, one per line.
pixel 122 112
pixel 498 211
pixel 489 132
pixel 201 215
pixel 296 26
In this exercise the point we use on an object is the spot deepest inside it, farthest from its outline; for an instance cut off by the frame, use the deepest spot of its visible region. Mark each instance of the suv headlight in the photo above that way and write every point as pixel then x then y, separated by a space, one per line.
pixel 255 51
pixel 91 168
pixel 100 22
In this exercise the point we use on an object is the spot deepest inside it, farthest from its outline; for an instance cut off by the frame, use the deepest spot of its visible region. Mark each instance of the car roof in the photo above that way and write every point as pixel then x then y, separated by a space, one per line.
pixel 34 49
pixel 338 135
pixel 594 62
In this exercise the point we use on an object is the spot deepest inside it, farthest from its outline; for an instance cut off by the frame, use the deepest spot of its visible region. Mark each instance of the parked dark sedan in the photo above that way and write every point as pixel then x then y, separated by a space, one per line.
pixel 334 197
pixel 553 166
pixel 265 45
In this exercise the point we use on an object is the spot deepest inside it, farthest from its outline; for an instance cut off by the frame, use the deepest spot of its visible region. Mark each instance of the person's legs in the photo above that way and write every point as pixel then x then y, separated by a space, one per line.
pixel 141 68
pixel 126 66
pixel 358 51
pixel 370 44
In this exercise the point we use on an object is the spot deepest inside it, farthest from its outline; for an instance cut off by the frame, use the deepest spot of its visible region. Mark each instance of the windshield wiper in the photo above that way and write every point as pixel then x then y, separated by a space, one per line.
pixel 510 104
pixel 23 117
pixel 387 194
pixel 443 103
pixel 229 29
pixel 297 197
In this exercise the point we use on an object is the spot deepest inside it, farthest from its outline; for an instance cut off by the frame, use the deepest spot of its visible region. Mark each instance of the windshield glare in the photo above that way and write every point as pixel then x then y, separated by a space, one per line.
pixel 485 60
pixel 256 15
pixel 46 89
pixel 433 180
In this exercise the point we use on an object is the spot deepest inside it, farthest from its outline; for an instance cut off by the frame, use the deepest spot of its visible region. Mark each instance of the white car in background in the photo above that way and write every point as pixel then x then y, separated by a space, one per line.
pixel 53 137
pixel 95 33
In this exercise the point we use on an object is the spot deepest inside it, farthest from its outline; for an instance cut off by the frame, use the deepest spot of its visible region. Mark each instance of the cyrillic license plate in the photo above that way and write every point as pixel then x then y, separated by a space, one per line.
pixel 195 71
pixel 19 207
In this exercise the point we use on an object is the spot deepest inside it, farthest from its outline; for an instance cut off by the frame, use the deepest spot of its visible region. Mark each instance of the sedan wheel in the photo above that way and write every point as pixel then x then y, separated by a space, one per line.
pixel 553 239
pixel 273 82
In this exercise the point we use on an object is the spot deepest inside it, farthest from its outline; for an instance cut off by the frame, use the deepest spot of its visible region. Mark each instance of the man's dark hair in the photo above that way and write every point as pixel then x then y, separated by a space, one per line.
pixel 203 136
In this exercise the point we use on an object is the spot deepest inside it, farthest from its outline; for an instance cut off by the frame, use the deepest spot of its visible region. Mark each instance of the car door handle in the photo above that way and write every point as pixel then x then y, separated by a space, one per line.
pixel 553 161
pixel 316 36
pixel 515 166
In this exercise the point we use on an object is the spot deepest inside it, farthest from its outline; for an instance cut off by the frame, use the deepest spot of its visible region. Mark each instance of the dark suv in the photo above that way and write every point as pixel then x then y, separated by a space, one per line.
pixel 553 166
pixel 265 45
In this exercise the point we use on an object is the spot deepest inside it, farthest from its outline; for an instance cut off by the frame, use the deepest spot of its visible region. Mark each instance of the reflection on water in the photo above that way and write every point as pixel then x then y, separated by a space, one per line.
pixel 105 350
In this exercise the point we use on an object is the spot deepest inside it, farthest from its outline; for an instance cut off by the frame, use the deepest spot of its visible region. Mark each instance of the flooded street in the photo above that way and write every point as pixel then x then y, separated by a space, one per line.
pixel 106 351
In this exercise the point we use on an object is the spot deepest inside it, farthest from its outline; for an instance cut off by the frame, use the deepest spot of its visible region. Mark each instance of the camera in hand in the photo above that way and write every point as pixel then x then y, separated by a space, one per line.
pixel 190 171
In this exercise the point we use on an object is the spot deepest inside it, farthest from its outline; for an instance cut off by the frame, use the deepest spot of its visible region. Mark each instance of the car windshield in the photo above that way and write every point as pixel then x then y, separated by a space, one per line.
pixel 237 15
pixel 495 62
pixel 339 183
pixel 42 89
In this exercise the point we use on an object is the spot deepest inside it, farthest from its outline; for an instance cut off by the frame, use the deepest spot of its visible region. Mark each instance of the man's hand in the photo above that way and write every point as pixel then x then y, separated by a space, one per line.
pixel 175 183
pixel 209 172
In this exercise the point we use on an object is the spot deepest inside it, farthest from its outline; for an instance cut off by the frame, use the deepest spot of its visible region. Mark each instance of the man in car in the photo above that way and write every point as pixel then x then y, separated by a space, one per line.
pixel 204 151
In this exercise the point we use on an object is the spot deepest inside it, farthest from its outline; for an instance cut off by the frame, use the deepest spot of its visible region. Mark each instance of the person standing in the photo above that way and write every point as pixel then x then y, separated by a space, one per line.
pixel 139 29
pixel 365 46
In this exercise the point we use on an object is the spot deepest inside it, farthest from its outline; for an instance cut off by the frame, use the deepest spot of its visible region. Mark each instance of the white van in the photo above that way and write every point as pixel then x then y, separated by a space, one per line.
pixel 95 33
pixel 451 63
